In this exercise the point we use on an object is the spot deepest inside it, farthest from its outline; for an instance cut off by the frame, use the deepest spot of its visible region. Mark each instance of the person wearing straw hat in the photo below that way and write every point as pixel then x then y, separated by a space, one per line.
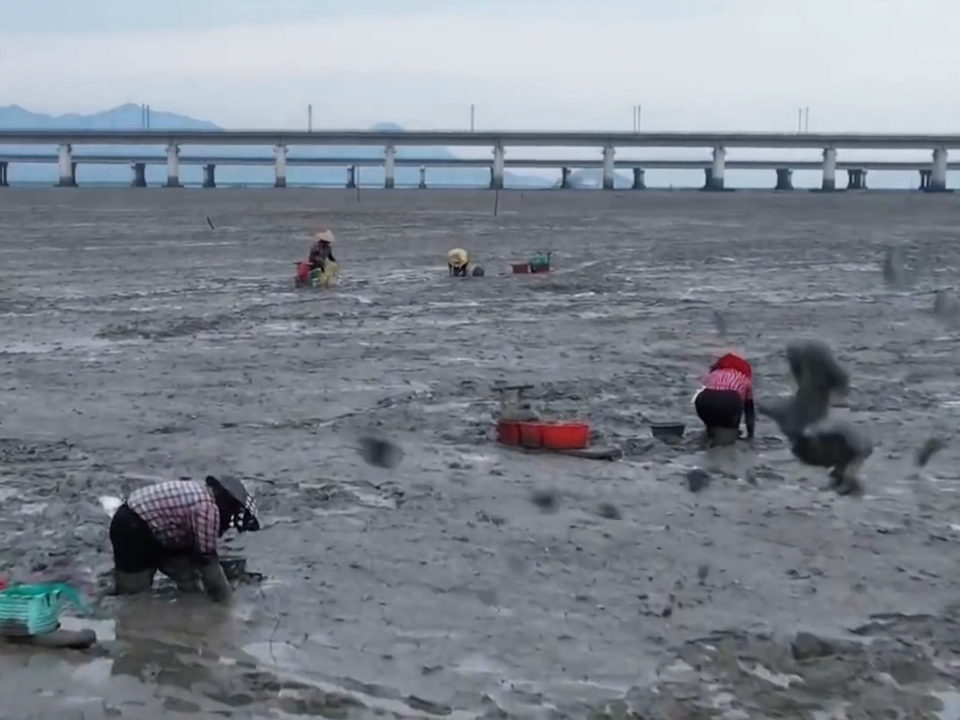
pixel 458 262
pixel 322 250
pixel 727 398
pixel 174 527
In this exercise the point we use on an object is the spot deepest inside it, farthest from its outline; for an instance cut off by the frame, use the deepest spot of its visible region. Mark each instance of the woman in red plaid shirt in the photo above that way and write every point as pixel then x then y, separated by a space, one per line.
pixel 726 398
pixel 173 527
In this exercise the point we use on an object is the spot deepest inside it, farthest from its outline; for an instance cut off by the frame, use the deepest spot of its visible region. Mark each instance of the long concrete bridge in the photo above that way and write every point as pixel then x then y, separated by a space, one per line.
pixel 856 170
pixel 934 176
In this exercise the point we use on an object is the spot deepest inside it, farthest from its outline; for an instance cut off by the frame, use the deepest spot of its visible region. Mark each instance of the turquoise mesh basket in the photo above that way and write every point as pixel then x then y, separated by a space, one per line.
pixel 540 261
pixel 28 610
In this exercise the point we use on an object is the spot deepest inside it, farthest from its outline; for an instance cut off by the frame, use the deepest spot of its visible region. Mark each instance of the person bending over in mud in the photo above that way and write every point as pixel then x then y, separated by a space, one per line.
pixel 173 527
pixel 322 250
pixel 458 262
pixel 726 397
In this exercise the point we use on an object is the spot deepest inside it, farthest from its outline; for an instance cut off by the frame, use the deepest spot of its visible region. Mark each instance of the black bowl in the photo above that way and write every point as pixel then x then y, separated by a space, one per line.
pixel 668 431
pixel 234 566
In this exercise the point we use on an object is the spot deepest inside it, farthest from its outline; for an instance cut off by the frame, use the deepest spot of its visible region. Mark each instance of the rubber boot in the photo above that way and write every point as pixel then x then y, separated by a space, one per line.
pixel 215 582
pixel 58 639
pixel 183 571
pixel 132 583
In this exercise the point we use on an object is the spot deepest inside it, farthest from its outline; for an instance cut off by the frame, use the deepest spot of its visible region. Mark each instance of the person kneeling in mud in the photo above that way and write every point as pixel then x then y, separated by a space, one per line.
pixel 173 527
pixel 726 398
pixel 458 262
pixel 321 251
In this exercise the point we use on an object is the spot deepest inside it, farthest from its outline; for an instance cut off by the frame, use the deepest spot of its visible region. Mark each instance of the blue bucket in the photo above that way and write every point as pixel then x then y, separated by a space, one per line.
pixel 29 610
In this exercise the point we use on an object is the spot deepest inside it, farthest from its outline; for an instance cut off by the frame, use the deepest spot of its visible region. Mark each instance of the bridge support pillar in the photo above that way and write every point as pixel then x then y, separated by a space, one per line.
pixel 784 179
pixel 856 179
pixel 139 170
pixel 565 178
pixel 280 166
pixel 638 179
pixel 496 180
pixel 389 167
pixel 609 165
pixel 713 176
pixel 4 180
pixel 925 180
pixel 173 166
pixel 423 178
pixel 938 171
pixel 209 175
pixel 829 182
pixel 68 168
pixel 351 177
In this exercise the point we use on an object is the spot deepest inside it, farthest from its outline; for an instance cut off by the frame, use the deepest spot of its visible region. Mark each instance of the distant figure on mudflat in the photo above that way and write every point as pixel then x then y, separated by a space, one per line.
pixel 725 399
pixel 458 262
pixel 322 250
pixel 815 439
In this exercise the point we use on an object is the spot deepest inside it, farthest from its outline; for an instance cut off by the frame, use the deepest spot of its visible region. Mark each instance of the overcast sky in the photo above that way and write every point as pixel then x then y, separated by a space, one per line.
pixel 692 64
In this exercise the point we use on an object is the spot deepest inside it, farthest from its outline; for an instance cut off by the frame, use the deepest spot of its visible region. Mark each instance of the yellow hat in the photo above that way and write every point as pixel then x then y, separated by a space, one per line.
pixel 458 257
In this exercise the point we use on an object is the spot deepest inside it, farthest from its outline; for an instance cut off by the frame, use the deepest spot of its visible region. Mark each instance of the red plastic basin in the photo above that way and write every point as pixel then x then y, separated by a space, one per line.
pixel 530 435
pixel 508 432
pixel 521 268
pixel 565 436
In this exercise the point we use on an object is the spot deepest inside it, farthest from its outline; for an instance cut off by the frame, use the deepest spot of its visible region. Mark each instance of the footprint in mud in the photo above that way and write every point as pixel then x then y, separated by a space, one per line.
pixel 547 501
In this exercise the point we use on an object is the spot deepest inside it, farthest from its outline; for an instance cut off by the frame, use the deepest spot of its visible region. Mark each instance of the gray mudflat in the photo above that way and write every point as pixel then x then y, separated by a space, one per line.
pixel 138 342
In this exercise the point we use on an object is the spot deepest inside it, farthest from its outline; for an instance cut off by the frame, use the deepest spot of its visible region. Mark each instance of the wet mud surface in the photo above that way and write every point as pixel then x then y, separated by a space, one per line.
pixel 473 580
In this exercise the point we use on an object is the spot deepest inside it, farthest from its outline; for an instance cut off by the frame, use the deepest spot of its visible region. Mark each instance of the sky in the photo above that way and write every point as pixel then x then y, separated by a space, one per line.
pixel 868 65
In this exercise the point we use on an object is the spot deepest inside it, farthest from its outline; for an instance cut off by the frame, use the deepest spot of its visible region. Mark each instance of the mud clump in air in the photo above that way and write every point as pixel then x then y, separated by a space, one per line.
pixel 815 439
pixel 380 452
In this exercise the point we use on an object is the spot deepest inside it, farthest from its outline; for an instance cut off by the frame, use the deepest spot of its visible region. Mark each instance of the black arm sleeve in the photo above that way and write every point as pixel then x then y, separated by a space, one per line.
pixel 750 416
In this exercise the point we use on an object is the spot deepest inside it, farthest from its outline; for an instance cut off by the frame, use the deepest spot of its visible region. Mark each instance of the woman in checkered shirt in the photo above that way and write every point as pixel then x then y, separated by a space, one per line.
pixel 726 398
pixel 173 527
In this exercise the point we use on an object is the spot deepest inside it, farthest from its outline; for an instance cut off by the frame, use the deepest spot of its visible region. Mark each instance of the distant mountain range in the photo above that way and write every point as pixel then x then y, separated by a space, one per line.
pixel 130 117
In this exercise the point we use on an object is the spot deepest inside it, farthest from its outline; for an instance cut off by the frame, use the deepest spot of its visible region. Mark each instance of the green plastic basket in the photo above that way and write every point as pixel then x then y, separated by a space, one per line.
pixel 540 262
pixel 28 610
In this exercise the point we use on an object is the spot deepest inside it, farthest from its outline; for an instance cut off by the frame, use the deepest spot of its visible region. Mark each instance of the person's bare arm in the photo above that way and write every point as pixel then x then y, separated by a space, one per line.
pixel 207 530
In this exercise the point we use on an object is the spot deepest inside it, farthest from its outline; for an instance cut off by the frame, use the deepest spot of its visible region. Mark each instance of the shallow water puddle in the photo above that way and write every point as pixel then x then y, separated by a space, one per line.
pixel 951 705
pixel 58 346
pixel 286 660
pixel 781 680
pixel 33 508
pixel 480 665
pixel 106 630
pixel 95 672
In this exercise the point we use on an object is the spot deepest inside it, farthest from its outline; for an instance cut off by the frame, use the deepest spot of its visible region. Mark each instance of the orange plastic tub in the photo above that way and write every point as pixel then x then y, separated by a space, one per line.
pixel 520 268
pixel 531 436
pixel 508 433
pixel 565 436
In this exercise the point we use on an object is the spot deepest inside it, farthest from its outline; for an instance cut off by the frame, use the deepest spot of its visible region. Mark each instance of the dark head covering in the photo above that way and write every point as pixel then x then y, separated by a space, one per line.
pixel 245 518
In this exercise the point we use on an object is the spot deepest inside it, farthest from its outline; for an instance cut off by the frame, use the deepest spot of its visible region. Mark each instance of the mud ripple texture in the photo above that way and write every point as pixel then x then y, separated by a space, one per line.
pixel 140 343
